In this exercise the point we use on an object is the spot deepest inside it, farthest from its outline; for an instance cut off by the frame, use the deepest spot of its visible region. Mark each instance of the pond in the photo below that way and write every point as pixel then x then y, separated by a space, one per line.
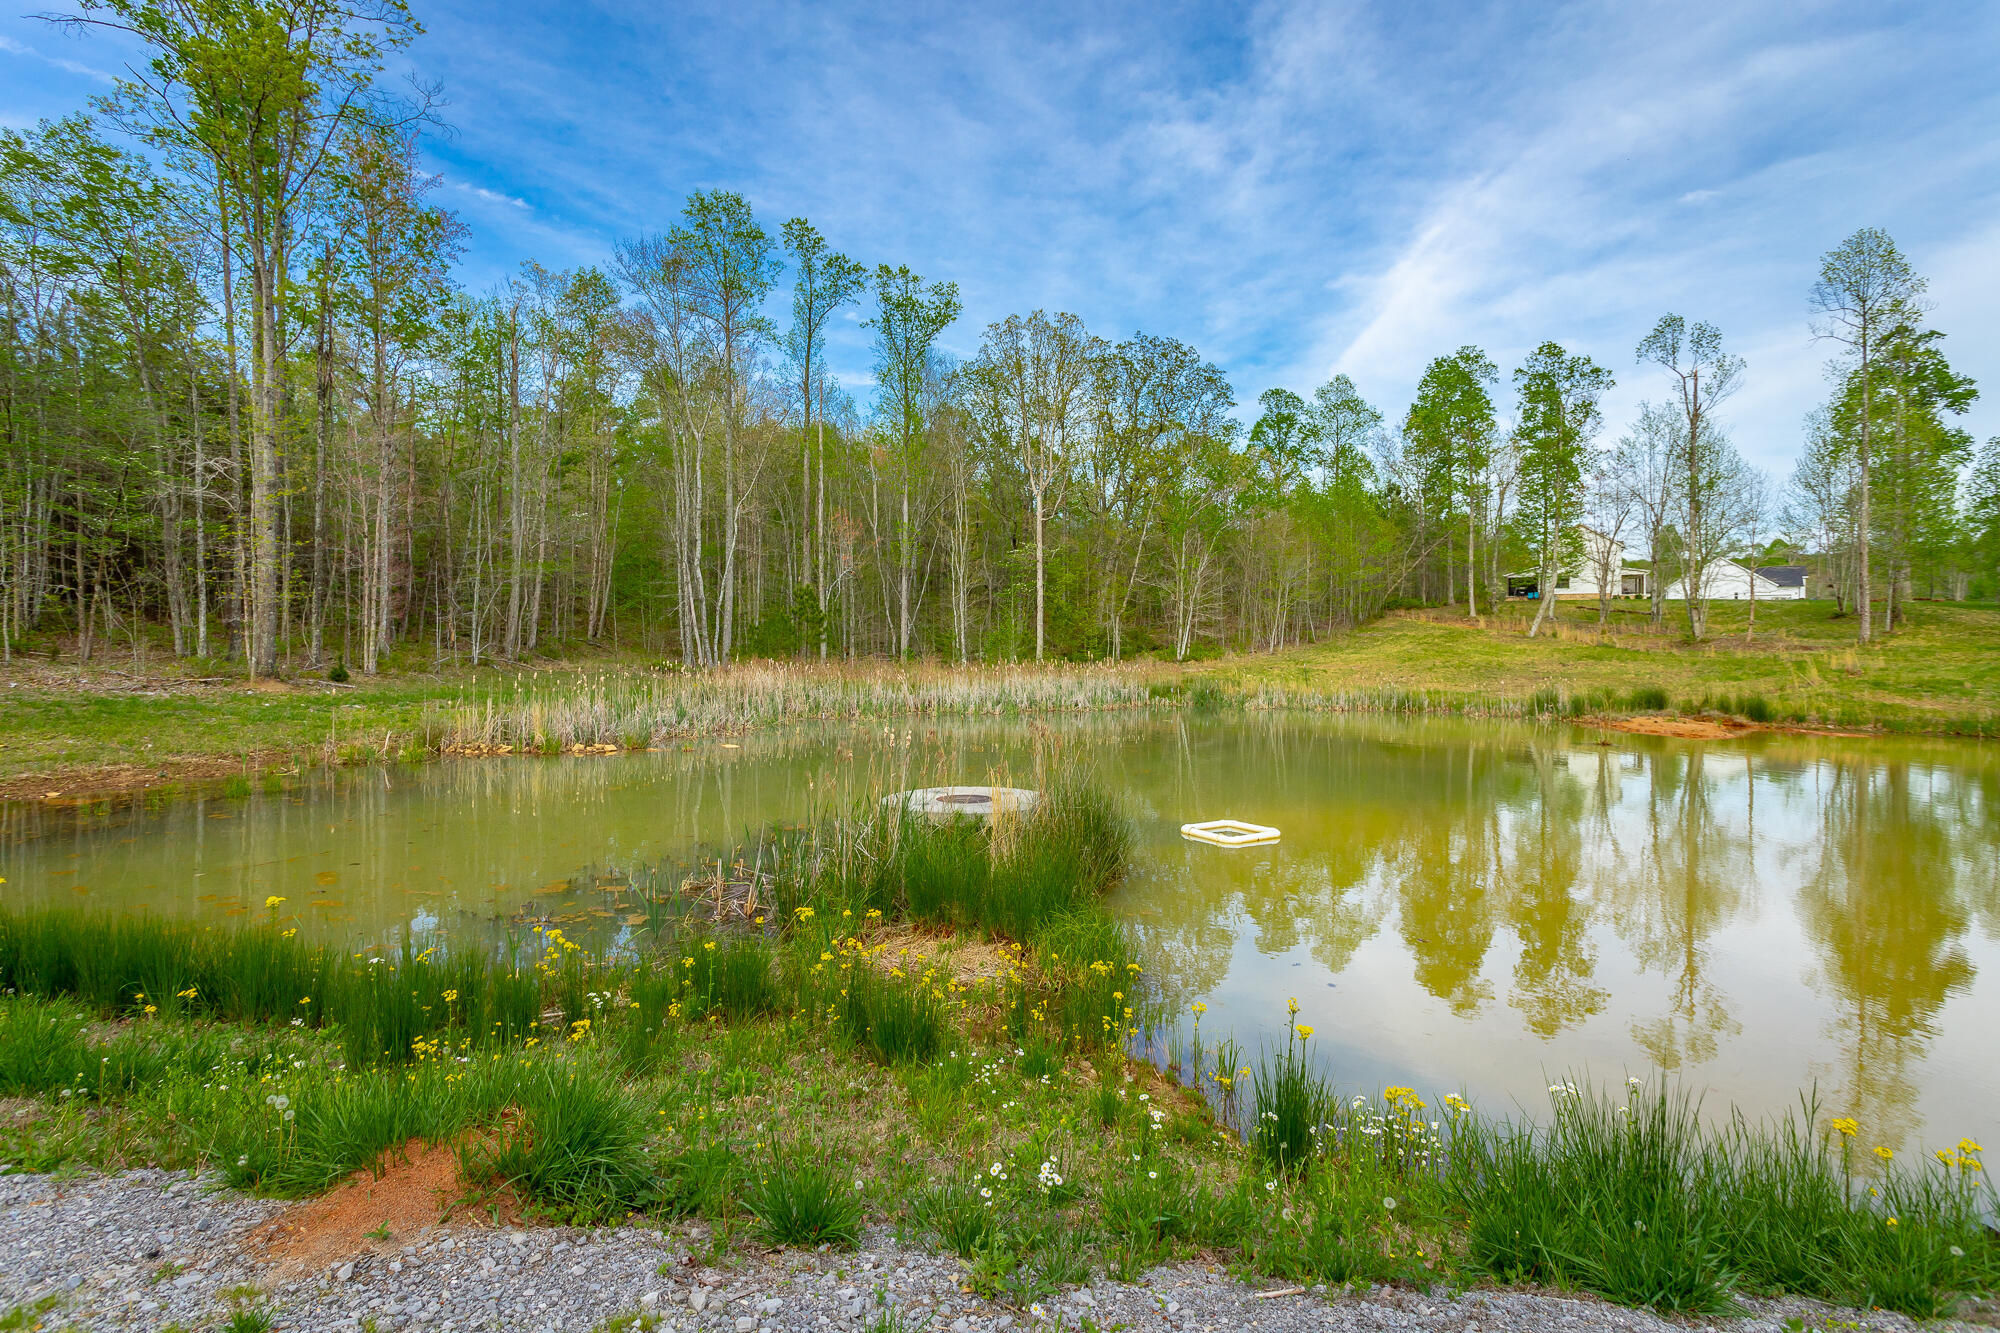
pixel 1457 906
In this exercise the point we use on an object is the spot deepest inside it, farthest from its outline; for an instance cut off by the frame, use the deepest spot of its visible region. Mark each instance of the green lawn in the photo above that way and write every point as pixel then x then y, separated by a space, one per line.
pixel 56 726
pixel 1940 673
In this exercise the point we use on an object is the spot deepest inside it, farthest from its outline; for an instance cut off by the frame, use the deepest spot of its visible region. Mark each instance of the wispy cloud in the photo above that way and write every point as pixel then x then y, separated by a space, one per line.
pixel 485 195
pixel 1293 187
pixel 18 48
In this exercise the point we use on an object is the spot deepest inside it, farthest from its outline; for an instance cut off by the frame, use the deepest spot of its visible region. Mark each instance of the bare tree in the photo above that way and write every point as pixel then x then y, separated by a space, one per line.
pixel 1608 505
pixel 1754 512
pixel 1704 376
pixel 1034 374
pixel 1645 467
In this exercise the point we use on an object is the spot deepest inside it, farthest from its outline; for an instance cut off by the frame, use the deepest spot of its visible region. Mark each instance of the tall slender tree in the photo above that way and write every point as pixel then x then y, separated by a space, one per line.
pixel 260 91
pixel 1034 374
pixel 1450 426
pixel 908 319
pixel 823 281
pixel 1557 421
pixel 1704 376
pixel 1865 288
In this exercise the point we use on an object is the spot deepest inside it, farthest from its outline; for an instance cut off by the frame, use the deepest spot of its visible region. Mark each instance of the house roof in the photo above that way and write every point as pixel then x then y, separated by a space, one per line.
pixel 1785 576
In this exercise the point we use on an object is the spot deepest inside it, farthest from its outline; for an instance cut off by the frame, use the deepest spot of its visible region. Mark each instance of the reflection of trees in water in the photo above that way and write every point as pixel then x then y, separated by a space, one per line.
pixel 1683 881
pixel 1475 830
pixel 1319 893
pixel 1547 906
pixel 1445 863
pixel 1886 908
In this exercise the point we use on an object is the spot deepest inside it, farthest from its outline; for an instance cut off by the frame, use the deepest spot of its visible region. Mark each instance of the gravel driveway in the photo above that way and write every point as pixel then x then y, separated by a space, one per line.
pixel 146 1249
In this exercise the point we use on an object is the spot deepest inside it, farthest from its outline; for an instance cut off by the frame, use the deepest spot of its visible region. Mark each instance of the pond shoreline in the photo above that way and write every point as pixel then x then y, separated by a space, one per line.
pixel 82 784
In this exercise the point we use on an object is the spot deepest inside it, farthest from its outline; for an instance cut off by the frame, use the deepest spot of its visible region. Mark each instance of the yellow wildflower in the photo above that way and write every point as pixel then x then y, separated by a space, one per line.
pixel 1304 1030
pixel 1847 1126
pixel 1884 1153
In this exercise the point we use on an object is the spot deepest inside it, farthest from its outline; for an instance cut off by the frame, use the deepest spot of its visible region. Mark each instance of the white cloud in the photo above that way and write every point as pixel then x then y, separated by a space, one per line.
pixel 489 196
pixel 1294 187
pixel 12 47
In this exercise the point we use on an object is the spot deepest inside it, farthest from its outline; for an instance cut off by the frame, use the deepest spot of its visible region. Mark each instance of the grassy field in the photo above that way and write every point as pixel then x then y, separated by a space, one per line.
pixel 1939 674
pixel 100 728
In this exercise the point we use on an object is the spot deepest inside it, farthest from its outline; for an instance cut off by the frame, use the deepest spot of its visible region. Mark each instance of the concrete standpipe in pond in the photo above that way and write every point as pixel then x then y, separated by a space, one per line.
pixel 977 802
pixel 1229 833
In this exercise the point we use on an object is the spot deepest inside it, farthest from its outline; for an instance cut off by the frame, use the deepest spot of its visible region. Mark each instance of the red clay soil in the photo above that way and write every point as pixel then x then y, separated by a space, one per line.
pixel 1687 728
pixel 413 1195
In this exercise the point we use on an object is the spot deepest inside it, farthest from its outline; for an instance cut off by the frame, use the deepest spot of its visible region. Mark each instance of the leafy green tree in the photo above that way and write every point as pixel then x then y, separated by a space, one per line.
pixel 1820 503
pixel 1902 404
pixel 824 280
pixel 1449 430
pixel 257 92
pixel 1032 379
pixel 1865 289
pixel 908 319
pixel 725 270
pixel 1148 396
pixel 399 250
pixel 1556 423
pixel 1982 514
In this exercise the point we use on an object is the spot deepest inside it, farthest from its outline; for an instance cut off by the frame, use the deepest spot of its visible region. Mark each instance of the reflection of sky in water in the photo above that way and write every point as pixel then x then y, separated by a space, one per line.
pixel 1454 905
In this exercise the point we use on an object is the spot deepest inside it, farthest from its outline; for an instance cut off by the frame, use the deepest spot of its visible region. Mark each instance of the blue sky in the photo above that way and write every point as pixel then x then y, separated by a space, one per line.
pixel 1294 189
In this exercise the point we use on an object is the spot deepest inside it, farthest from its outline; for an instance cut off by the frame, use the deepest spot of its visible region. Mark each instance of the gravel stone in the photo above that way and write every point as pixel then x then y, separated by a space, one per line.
pixel 146 1249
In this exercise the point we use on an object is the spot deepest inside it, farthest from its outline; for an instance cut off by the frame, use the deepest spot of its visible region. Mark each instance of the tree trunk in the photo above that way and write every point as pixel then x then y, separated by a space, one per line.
pixel 1041 584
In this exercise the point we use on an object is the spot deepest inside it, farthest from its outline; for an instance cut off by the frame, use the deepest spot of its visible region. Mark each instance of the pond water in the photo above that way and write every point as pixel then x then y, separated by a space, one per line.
pixel 1456 906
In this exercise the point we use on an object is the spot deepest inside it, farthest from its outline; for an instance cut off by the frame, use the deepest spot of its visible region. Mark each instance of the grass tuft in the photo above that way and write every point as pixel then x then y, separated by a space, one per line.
pixel 802 1201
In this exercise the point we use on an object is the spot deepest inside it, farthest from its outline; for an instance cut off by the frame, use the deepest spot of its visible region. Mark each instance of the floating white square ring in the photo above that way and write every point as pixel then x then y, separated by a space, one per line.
pixel 1229 833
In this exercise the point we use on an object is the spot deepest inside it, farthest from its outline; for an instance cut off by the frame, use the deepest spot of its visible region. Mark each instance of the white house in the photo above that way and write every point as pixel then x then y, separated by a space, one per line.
pixel 1733 581
pixel 1580 580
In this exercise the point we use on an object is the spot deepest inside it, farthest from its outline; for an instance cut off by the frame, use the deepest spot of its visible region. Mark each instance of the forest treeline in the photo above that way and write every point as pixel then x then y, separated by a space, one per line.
pixel 247 411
